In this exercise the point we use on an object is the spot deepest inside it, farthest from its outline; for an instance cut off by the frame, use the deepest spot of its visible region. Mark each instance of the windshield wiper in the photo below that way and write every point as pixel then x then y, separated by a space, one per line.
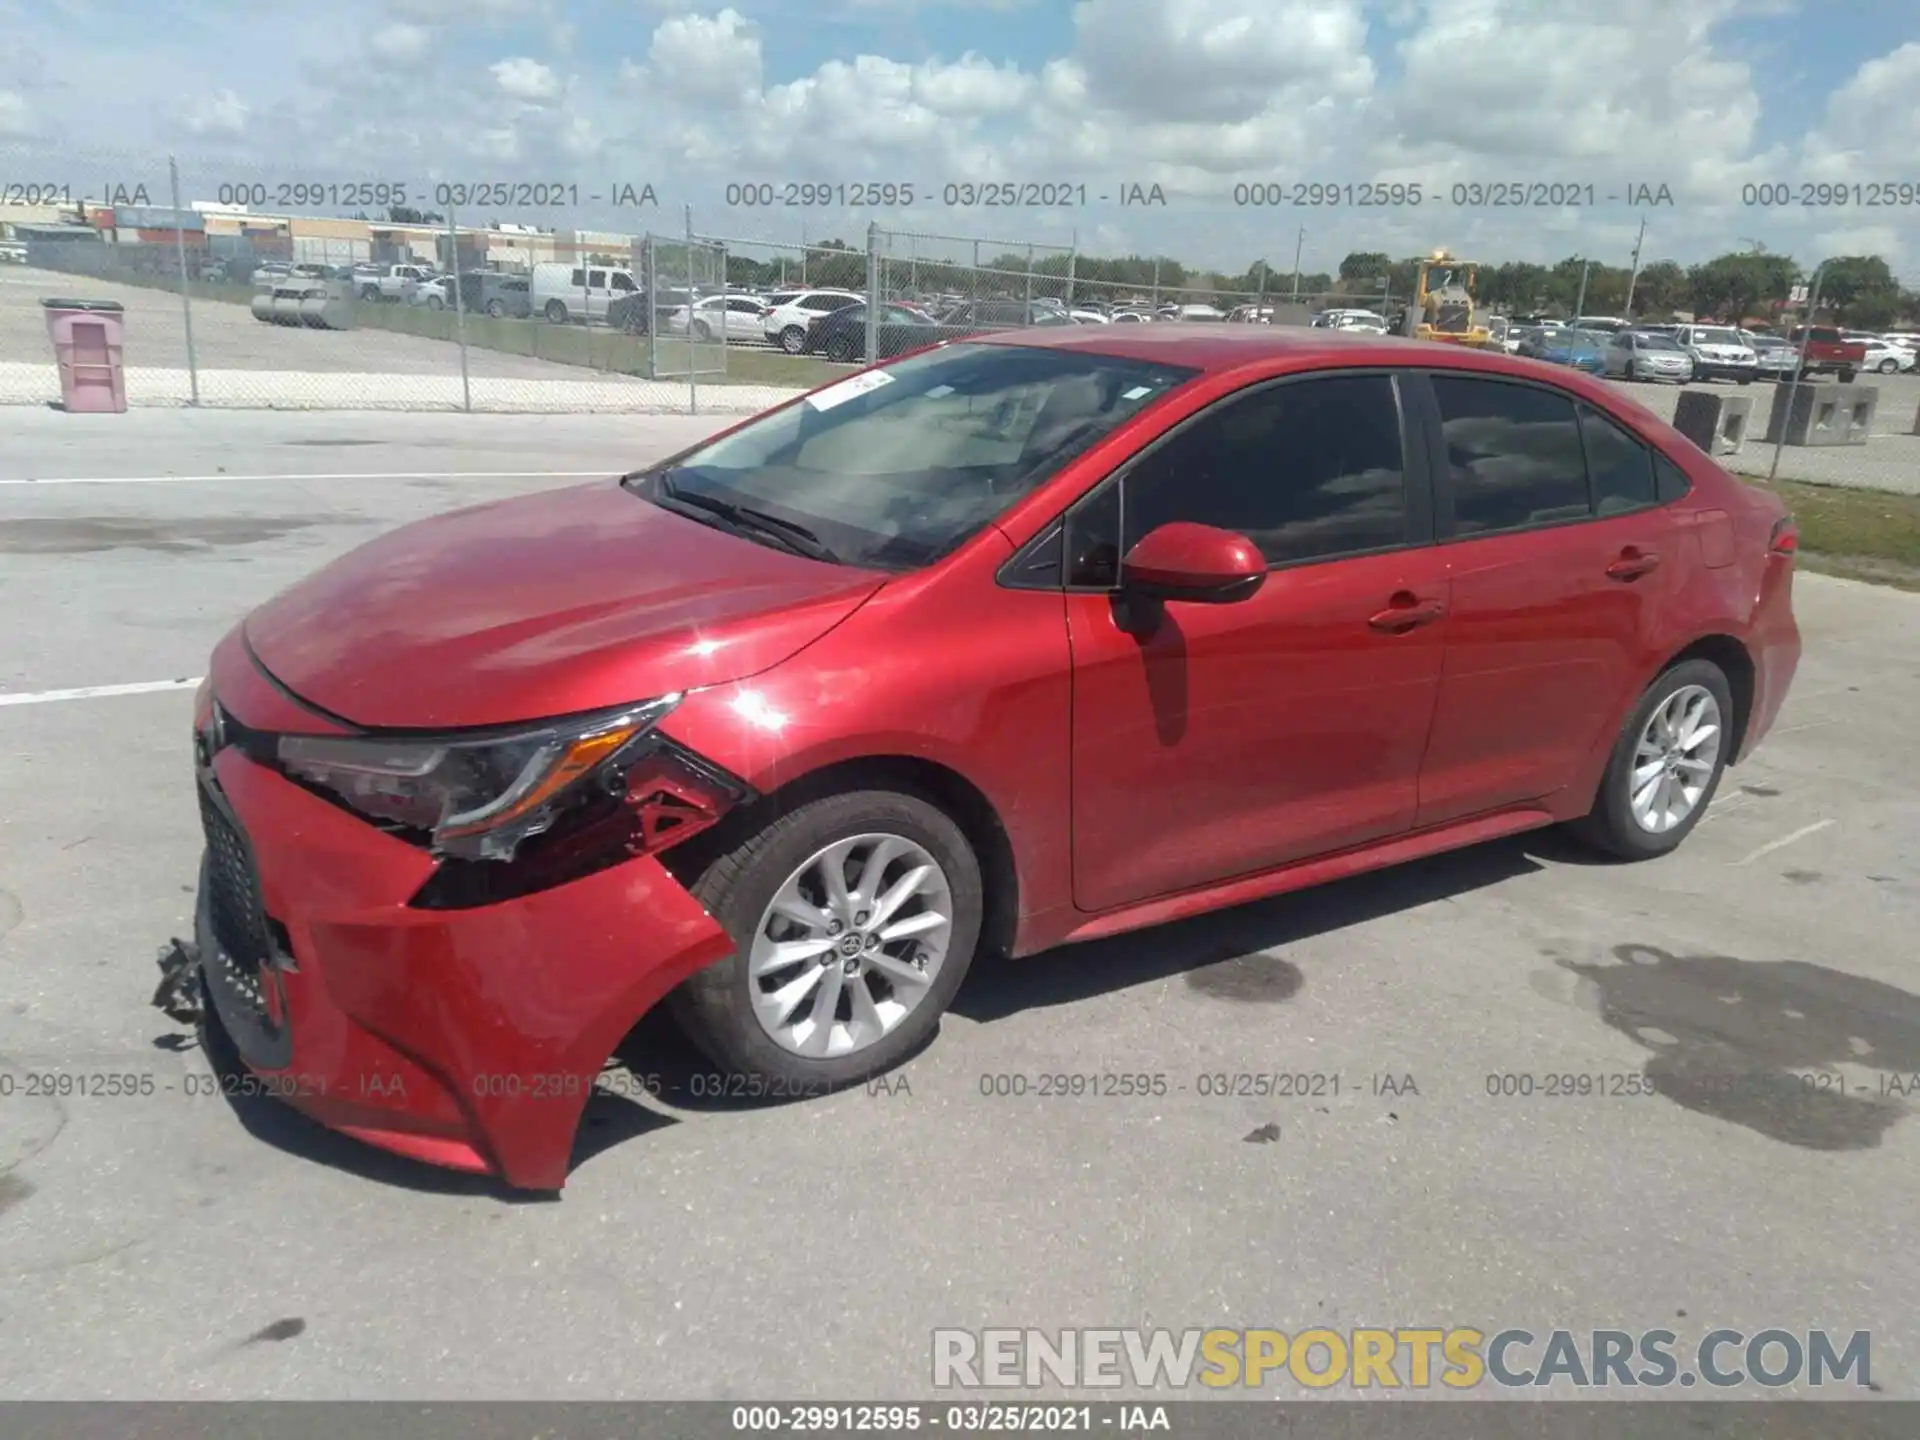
pixel 788 534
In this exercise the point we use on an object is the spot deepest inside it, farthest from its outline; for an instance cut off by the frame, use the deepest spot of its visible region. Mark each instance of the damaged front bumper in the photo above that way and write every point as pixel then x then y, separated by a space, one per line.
pixel 467 1038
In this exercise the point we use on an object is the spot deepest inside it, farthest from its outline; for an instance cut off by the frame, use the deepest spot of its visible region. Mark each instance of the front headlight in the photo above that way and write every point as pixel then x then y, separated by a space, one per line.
pixel 477 796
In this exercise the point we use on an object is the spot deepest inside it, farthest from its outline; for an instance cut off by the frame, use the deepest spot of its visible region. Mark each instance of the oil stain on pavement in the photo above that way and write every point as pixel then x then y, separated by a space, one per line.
pixel 1258 978
pixel 93 534
pixel 1761 1044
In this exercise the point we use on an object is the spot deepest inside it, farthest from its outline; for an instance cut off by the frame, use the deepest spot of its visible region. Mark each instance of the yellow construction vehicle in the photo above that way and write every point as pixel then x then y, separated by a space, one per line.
pixel 1442 307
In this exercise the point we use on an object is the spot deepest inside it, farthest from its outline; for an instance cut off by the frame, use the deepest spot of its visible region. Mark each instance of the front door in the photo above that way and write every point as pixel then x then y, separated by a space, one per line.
pixel 1228 739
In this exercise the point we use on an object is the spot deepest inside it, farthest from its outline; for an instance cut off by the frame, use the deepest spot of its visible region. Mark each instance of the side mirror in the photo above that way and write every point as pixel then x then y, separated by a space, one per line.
pixel 1197 563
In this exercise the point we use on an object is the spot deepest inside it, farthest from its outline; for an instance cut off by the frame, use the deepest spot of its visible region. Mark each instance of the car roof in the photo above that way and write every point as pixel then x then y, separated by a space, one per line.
pixel 1223 349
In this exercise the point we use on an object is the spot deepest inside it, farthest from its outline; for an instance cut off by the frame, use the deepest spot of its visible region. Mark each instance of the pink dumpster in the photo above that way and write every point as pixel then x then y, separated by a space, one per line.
pixel 86 337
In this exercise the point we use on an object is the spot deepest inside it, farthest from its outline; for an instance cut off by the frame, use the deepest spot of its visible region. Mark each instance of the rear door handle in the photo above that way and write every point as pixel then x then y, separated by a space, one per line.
pixel 1405 612
pixel 1632 564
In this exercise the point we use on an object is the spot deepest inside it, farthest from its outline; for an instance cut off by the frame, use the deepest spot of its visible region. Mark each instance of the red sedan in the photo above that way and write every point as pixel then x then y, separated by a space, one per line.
pixel 1007 643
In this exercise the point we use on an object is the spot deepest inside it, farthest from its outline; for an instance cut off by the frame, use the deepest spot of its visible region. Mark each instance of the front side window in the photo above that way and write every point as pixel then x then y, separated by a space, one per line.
pixel 1513 455
pixel 1305 470
pixel 895 468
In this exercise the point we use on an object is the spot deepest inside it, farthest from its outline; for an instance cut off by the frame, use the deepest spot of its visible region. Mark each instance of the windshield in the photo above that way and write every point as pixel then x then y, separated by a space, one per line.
pixel 1657 342
pixel 895 467
pixel 1715 337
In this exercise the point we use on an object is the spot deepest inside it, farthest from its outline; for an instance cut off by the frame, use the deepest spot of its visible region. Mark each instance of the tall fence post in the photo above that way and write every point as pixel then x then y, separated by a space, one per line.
pixel 1073 255
pixel 650 299
pixel 459 309
pixel 1156 282
pixel 693 355
pixel 1799 367
pixel 186 287
pixel 874 287
pixel 1029 285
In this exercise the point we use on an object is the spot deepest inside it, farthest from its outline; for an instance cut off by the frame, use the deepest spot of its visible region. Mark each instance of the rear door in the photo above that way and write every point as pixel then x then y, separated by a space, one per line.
pixel 1560 558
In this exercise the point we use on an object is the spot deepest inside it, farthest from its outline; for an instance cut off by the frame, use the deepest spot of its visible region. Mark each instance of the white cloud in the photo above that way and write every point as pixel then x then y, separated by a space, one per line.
pixel 704 60
pixel 525 79
pixel 14 122
pixel 221 114
pixel 400 44
pixel 1872 126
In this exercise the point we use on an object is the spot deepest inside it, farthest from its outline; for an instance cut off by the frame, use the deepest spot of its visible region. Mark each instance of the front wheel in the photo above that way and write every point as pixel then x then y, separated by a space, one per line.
pixel 793 340
pixel 496 310
pixel 1746 379
pixel 1665 766
pixel 556 312
pixel 854 919
pixel 1888 366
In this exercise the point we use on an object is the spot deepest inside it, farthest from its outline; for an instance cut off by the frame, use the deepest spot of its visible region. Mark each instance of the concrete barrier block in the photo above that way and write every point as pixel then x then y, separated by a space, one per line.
pixel 1715 422
pixel 1816 414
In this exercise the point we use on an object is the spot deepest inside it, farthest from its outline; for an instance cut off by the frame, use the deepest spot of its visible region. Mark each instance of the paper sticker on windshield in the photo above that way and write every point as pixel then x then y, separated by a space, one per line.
pixel 849 389
pixel 939 392
pixel 1138 392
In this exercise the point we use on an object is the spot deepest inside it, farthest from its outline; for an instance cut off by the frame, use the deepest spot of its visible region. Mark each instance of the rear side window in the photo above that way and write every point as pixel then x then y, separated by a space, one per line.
pixel 1513 455
pixel 1670 481
pixel 1620 466
pixel 1306 470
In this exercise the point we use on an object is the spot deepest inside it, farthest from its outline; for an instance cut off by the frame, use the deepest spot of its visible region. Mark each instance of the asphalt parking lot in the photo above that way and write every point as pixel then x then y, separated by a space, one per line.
pixel 175 1246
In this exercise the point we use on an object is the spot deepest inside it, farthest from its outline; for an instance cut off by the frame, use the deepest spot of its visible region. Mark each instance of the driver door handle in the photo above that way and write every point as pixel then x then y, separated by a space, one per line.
pixel 1633 563
pixel 1407 611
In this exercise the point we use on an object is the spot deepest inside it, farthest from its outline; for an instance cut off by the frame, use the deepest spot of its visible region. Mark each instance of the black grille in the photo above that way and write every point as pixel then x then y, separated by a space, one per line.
pixel 237 913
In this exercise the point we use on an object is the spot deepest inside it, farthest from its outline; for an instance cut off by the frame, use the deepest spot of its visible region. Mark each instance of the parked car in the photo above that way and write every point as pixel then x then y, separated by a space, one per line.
pixel 580 294
pixel 1637 355
pixel 978 316
pixel 1887 358
pixel 433 294
pixel 842 335
pixel 1578 349
pixel 1088 317
pixel 786 324
pixel 1130 317
pixel 499 295
pixel 732 317
pixel 1775 358
pixel 392 284
pixel 1825 351
pixel 953 617
pixel 1718 353
pixel 1611 324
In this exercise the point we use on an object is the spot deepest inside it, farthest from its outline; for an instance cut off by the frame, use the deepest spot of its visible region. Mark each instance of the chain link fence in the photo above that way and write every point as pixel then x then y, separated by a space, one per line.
pixel 248 288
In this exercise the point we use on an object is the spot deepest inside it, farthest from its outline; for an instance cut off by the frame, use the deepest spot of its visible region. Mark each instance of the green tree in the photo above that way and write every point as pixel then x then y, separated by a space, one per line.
pixel 1364 265
pixel 1661 290
pixel 1731 287
pixel 1860 290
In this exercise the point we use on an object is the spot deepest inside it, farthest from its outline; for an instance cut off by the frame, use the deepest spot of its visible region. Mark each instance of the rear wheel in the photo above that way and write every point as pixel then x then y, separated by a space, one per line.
pixel 854 919
pixel 1846 375
pixel 556 312
pixel 793 340
pixel 1889 365
pixel 1665 766
pixel 496 309
pixel 841 348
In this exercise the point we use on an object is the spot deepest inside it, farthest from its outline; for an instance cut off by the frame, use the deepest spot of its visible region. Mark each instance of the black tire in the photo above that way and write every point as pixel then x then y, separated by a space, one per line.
pixel 1610 825
pixel 793 340
pixel 841 348
pixel 556 312
pixel 370 292
pixel 1846 375
pixel 715 1007
pixel 703 332
pixel 496 310
pixel 1746 379
pixel 1889 366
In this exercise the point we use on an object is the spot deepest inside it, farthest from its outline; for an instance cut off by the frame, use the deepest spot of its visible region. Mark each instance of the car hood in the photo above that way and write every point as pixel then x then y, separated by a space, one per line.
pixel 547 604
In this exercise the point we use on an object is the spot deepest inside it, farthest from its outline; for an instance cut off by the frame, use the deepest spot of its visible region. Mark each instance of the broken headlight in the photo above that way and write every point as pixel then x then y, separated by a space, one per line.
pixel 477 796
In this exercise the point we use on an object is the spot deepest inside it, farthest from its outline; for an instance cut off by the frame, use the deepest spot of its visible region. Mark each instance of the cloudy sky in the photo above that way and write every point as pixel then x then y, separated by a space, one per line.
pixel 1704 97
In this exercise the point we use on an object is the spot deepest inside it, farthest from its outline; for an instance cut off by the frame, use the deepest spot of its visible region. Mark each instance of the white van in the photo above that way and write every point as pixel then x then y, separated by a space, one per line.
pixel 566 293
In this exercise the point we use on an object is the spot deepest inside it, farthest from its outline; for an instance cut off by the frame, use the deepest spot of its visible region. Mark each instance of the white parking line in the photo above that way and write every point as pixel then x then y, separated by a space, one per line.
pixel 1786 840
pixel 298 475
pixel 97 692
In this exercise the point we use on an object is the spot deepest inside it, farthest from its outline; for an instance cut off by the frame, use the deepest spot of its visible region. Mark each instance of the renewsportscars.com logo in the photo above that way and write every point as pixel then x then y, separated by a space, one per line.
pixel 1457 1357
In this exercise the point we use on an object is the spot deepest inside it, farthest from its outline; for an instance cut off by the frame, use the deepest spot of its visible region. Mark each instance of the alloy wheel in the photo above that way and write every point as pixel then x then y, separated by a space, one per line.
pixel 850 945
pixel 1675 759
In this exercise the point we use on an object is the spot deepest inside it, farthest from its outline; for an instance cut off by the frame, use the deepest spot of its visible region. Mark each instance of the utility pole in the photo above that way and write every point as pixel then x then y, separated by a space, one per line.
pixel 1298 245
pixel 1633 275
pixel 1580 305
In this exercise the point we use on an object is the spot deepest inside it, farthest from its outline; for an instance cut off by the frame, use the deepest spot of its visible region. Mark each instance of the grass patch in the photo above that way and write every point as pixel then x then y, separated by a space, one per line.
pixel 1861 534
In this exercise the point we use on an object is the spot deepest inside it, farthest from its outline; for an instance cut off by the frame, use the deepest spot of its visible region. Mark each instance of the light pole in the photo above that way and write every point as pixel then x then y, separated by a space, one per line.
pixel 1298 245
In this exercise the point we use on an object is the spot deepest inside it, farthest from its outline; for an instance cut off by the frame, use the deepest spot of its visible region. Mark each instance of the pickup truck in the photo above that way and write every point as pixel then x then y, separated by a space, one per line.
pixel 394 283
pixel 1825 351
